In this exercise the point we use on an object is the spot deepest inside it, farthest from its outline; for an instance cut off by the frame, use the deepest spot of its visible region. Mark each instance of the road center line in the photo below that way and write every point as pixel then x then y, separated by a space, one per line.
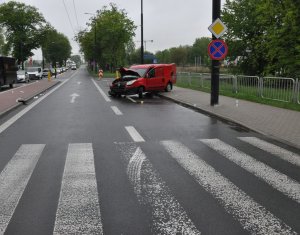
pixel 101 91
pixel 116 110
pixel 134 134
pixel 78 208
pixel 14 178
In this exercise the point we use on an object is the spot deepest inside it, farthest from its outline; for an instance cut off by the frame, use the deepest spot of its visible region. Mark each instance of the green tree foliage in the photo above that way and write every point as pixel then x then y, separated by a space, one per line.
pixel 76 59
pixel 23 26
pixel 55 46
pixel 199 49
pixel 2 42
pixel 264 35
pixel 110 32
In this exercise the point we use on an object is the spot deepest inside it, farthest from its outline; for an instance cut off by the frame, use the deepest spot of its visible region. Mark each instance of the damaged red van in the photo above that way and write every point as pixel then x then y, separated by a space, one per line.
pixel 144 78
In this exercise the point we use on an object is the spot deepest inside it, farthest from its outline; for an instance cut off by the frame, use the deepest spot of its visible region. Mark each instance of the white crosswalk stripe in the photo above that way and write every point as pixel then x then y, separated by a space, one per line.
pixel 14 178
pixel 167 214
pixel 279 181
pixel 252 216
pixel 273 149
pixel 78 208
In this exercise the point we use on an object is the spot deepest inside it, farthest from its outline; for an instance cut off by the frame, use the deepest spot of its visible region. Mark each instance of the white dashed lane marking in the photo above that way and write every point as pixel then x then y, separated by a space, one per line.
pixel 134 134
pixel 116 110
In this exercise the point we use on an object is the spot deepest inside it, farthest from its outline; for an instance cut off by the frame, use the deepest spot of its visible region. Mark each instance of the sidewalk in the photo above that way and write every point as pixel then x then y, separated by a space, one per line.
pixel 9 99
pixel 277 123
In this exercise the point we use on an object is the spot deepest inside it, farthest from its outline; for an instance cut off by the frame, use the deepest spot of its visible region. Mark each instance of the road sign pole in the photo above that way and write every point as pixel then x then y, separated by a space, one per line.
pixel 215 70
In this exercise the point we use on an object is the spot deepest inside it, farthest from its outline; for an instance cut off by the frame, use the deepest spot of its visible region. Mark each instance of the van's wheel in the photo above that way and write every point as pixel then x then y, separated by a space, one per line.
pixel 140 92
pixel 168 87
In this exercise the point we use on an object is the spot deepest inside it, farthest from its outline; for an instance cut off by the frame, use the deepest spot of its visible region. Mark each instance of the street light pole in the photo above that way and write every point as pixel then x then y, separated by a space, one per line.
pixel 95 37
pixel 142 36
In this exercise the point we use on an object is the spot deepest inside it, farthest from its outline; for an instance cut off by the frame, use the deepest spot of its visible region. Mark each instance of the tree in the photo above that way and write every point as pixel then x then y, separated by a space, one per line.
pixel 106 42
pixel 200 49
pixel 2 42
pixel 245 34
pixel 23 26
pixel 265 35
pixel 58 48
pixel 76 59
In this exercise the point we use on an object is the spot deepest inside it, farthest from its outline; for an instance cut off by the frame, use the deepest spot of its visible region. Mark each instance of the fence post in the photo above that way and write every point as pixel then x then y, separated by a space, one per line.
pixel 235 87
pixel 261 86
pixel 296 98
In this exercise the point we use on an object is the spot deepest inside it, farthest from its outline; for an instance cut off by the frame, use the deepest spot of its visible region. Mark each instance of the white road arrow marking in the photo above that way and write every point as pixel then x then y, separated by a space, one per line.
pixel 73 97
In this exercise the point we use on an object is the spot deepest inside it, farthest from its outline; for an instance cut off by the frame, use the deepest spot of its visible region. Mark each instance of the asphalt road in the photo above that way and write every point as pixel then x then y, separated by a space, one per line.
pixel 78 161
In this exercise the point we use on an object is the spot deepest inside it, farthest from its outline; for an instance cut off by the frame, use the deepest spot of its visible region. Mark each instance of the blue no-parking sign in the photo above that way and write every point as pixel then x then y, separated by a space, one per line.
pixel 217 49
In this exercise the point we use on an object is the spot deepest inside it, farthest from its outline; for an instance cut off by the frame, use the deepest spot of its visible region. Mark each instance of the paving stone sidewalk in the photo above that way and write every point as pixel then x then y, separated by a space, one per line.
pixel 277 123
pixel 9 99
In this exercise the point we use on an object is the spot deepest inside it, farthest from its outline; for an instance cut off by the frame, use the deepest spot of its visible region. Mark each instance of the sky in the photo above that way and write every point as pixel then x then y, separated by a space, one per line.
pixel 167 23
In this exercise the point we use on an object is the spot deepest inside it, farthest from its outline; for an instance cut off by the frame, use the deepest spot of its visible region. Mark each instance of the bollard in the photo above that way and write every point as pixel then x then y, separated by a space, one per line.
pixel 49 76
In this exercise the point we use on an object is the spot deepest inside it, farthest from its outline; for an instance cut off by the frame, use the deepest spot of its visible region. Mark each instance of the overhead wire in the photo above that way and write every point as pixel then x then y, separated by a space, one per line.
pixel 69 17
pixel 75 14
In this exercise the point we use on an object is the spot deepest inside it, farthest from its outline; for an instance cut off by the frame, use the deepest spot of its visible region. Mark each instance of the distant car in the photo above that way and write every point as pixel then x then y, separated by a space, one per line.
pixel 45 72
pixel 22 76
pixel 73 67
pixel 34 72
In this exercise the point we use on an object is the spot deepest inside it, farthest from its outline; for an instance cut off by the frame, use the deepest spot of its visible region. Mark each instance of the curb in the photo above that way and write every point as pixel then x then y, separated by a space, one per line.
pixel 13 107
pixel 229 120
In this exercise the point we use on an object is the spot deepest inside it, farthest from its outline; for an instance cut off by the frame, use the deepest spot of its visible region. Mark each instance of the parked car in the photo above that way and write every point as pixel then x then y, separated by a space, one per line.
pixel 58 70
pixel 52 70
pixel 45 72
pixel 34 72
pixel 144 78
pixel 22 76
pixel 8 71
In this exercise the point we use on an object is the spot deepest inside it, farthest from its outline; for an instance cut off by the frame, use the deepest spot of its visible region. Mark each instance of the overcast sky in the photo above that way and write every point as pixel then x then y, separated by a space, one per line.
pixel 169 23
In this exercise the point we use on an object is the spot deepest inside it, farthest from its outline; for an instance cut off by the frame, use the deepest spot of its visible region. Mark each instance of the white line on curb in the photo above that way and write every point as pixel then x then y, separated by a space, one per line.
pixel 9 122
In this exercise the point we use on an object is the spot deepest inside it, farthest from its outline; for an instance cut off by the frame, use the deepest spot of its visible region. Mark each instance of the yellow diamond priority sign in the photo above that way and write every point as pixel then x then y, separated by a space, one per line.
pixel 217 28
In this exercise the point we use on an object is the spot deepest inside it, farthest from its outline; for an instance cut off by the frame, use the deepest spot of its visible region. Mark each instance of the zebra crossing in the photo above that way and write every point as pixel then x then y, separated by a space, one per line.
pixel 79 204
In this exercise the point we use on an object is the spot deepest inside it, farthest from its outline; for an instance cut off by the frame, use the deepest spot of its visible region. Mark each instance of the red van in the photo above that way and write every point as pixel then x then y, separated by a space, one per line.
pixel 144 78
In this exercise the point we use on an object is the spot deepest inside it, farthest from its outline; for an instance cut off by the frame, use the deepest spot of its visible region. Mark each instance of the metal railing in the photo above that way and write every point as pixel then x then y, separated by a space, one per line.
pixel 277 88
pixel 274 88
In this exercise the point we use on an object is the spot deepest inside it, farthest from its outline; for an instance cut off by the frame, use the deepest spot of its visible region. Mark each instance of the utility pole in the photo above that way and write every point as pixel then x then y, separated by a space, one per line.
pixel 215 70
pixel 142 34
